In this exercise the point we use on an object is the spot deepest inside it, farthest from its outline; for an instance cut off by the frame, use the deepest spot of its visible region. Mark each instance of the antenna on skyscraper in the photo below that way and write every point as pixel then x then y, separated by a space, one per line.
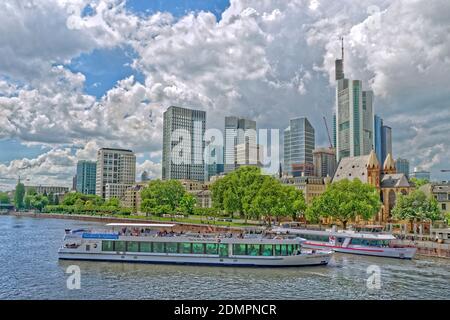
pixel 342 47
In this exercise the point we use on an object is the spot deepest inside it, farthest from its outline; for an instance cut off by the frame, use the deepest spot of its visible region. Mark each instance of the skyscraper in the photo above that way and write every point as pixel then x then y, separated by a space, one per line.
pixel 299 143
pixel 324 160
pixel 116 171
pixel 386 142
pixel 354 116
pixel 402 166
pixel 86 176
pixel 183 144
pixel 237 131
pixel 378 133
pixel 213 160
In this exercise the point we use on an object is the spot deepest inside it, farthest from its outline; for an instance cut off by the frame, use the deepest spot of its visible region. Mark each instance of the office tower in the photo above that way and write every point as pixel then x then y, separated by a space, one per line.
pixel 299 143
pixel 386 142
pixel 248 154
pixel 324 160
pixel 183 144
pixel 86 176
pixel 354 116
pixel 144 176
pixel 116 171
pixel 378 133
pixel 237 131
pixel 74 183
pixel 402 166
pixel 418 173
pixel 214 160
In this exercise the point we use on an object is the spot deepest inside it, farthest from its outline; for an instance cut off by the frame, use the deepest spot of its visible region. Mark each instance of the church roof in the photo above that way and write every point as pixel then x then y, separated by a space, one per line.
pixel 389 163
pixel 351 168
pixel 396 180
pixel 373 160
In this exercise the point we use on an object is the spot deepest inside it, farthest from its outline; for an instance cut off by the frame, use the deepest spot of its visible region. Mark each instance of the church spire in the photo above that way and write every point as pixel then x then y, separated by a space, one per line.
pixel 389 164
pixel 373 161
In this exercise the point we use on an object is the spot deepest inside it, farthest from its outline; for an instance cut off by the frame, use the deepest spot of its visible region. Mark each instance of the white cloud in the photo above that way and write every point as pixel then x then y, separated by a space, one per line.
pixel 267 60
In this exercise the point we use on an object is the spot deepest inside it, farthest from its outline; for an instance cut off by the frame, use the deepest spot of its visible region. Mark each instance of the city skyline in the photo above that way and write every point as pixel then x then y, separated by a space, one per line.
pixel 101 84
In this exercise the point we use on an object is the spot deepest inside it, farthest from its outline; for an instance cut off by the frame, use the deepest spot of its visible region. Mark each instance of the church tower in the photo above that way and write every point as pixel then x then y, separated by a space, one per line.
pixel 373 170
pixel 389 165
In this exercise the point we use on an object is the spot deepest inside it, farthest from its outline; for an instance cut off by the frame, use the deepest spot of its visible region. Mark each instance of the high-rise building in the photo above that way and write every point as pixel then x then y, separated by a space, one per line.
pixel 354 116
pixel 378 133
pixel 324 160
pixel 213 160
pixel 299 143
pixel 386 142
pixel 402 166
pixel 183 144
pixel 86 176
pixel 248 154
pixel 116 171
pixel 382 139
pixel 144 176
pixel 418 173
pixel 237 131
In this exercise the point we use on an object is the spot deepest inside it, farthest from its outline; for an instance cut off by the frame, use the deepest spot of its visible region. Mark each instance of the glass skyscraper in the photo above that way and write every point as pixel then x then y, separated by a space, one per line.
pixel 402 166
pixel 86 176
pixel 299 143
pixel 354 116
pixel 237 131
pixel 183 144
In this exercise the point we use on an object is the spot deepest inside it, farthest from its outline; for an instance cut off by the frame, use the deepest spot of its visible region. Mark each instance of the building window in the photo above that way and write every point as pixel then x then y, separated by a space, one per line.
pixel 444 206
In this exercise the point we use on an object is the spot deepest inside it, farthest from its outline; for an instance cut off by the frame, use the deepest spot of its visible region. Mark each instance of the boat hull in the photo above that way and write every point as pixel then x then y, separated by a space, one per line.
pixel 283 261
pixel 399 253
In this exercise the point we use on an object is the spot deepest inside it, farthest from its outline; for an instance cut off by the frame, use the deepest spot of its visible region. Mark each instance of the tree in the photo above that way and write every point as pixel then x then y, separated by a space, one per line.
pixel 162 197
pixel 19 196
pixel 251 194
pixel 187 204
pixel 416 206
pixel 344 201
pixel 4 198
pixel 419 182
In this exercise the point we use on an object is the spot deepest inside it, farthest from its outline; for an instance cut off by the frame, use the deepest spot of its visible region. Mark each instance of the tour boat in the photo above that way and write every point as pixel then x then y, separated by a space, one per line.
pixel 146 243
pixel 374 243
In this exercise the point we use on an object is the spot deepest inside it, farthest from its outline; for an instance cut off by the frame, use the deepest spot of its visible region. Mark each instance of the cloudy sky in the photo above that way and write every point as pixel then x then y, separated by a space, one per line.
pixel 77 75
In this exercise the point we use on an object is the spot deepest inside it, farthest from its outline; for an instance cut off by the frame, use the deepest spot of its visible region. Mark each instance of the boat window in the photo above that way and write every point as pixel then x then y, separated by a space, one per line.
pixel 253 249
pixel 198 248
pixel 171 247
pixel 120 246
pixel 278 250
pixel 211 248
pixel 290 249
pixel 107 245
pixel 186 247
pixel 223 250
pixel 158 247
pixel 267 250
pixel 239 249
pixel 145 247
pixel 132 246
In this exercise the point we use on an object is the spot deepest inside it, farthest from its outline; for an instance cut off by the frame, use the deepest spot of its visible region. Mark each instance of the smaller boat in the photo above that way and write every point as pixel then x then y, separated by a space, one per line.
pixel 142 242
pixel 369 240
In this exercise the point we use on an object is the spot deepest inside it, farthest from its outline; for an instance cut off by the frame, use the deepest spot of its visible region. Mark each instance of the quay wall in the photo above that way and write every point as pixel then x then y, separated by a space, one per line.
pixel 179 226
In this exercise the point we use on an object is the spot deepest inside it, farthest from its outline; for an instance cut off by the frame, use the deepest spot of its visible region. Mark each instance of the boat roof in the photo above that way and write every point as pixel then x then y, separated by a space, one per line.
pixel 147 225
pixel 340 233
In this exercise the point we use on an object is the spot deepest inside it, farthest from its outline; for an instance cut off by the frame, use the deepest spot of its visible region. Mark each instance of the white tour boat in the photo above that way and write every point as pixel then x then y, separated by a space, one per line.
pixel 374 243
pixel 141 242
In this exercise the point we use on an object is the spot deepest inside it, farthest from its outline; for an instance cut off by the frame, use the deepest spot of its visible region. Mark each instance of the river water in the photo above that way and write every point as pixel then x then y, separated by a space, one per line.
pixel 30 269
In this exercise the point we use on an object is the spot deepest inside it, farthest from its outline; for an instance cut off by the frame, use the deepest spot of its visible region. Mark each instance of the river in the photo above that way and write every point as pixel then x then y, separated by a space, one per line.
pixel 30 269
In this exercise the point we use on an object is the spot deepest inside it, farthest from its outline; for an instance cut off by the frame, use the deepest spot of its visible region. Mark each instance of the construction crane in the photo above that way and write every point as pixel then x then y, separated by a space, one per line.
pixel 328 132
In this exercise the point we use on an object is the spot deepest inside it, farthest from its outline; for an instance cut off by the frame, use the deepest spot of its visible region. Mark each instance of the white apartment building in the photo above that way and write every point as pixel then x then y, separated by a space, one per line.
pixel 116 171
